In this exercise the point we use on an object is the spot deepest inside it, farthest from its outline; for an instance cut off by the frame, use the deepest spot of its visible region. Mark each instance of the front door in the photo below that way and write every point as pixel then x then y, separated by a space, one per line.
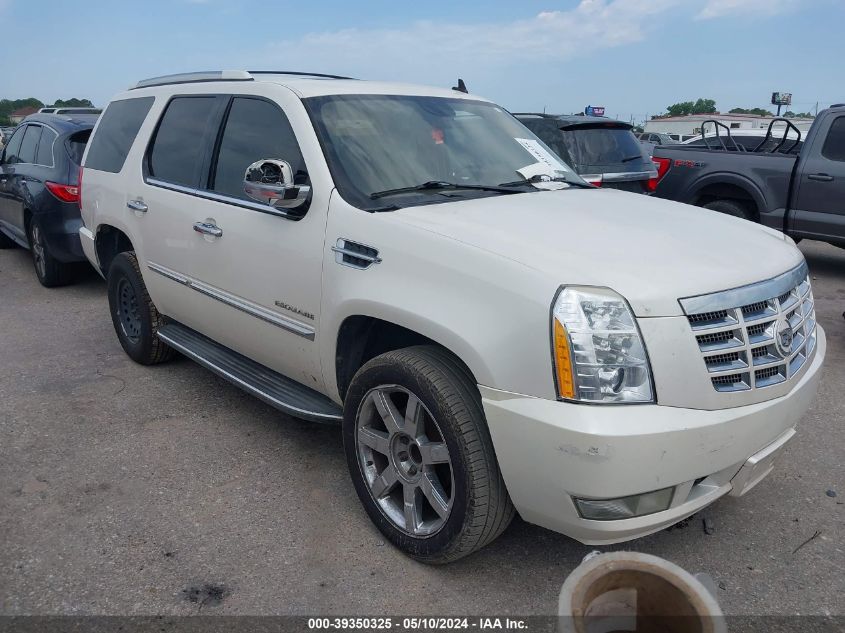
pixel 819 210
pixel 257 270
pixel 19 155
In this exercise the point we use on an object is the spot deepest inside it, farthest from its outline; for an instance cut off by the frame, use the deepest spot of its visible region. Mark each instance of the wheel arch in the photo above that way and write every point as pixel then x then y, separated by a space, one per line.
pixel 109 242
pixel 729 187
pixel 361 337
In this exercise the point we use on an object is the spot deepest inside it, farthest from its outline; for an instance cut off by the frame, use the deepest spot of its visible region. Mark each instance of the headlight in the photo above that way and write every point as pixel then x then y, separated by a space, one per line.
pixel 598 351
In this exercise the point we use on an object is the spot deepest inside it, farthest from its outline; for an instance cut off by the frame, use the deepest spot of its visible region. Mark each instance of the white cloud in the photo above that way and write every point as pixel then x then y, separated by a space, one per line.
pixel 722 8
pixel 551 36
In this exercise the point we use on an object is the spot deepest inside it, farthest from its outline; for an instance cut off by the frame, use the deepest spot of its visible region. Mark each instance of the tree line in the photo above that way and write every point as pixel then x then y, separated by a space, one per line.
pixel 7 106
pixel 708 106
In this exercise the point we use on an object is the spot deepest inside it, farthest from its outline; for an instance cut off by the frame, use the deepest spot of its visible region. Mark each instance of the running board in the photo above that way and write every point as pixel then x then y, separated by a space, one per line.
pixel 277 390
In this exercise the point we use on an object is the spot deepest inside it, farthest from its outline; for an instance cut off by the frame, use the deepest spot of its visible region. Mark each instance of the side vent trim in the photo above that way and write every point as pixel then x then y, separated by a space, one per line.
pixel 354 254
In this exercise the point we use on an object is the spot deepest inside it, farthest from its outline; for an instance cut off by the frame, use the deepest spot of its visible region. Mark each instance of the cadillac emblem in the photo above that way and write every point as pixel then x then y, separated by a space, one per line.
pixel 784 334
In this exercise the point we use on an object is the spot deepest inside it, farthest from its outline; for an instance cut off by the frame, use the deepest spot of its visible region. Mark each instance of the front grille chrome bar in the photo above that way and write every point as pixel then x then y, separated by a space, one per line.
pixel 742 333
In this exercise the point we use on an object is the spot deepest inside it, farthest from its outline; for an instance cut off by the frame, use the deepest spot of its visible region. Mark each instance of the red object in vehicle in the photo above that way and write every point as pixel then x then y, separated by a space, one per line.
pixel 662 165
pixel 594 180
pixel 65 193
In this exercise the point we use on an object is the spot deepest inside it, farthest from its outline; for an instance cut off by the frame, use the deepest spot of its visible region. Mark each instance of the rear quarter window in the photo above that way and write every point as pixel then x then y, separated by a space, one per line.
pixel 834 144
pixel 44 155
pixel 116 132
pixel 76 145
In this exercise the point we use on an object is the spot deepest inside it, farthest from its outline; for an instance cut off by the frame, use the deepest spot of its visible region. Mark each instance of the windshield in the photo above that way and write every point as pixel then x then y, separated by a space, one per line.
pixel 377 145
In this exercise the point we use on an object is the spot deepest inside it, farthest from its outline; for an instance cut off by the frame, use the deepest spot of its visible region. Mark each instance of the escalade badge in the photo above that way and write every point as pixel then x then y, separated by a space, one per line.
pixel 784 335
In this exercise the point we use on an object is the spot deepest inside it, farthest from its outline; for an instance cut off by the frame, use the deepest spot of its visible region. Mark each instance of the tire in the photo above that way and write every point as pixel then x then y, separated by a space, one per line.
pixel 50 271
pixel 730 207
pixel 136 319
pixel 446 459
pixel 6 241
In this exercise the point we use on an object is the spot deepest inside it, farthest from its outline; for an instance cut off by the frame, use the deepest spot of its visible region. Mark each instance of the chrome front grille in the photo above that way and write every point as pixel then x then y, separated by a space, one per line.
pixel 755 336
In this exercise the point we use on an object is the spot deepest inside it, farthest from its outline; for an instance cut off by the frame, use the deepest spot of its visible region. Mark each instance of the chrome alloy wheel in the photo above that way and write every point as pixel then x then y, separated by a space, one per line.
pixel 38 253
pixel 405 461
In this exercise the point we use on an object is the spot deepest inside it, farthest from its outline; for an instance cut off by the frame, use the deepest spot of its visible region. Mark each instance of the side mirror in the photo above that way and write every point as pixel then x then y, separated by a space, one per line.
pixel 270 181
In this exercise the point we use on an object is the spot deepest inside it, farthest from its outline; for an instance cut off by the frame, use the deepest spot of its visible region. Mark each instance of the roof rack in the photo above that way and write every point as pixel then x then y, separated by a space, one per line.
pixel 296 73
pixel 223 75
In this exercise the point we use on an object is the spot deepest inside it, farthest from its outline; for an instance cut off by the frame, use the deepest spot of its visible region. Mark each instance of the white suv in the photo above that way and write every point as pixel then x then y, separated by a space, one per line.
pixel 493 333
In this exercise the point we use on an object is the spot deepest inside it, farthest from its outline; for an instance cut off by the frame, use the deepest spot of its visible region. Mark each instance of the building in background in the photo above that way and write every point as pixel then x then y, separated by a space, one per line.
pixel 21 113
pixel 682 128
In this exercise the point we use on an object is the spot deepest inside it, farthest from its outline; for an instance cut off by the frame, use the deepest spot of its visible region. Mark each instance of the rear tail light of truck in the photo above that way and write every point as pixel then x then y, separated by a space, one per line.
pixel 65 193
pixel 662 165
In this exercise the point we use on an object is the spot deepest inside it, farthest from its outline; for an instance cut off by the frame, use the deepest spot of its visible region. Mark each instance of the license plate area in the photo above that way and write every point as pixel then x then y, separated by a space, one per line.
pixel 760 464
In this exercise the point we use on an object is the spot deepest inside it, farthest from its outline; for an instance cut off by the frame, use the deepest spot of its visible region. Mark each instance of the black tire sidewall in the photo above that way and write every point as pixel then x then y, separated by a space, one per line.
pixel 53 273
pixel 394 373
pixel 122 267
pixel 729 207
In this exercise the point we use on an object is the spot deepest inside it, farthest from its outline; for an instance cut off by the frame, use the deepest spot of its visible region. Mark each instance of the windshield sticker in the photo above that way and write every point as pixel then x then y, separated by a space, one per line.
pixel 533 170
pixel 542 154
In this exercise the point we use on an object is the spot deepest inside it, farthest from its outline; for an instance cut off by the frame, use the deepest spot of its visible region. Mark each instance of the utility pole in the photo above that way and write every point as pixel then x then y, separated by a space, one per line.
pixel 817 108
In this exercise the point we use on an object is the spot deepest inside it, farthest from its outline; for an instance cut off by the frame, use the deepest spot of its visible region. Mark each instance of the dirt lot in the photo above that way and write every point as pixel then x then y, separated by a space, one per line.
pixel 137 490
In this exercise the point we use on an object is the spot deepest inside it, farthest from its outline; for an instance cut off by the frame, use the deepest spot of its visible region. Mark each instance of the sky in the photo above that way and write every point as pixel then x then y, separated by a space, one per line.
pixel 635 57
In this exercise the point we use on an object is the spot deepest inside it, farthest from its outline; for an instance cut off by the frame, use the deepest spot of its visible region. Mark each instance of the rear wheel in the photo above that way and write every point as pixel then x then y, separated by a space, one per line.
pixel 730 207
pixel 50 271
pixel 134 315
pixel 420 455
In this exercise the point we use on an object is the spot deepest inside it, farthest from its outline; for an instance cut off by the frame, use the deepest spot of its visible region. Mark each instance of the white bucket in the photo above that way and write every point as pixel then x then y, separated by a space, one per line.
pixel 628 591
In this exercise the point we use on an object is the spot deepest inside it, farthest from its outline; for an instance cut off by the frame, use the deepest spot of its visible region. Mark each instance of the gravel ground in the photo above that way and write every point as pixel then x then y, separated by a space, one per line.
pixel 137 490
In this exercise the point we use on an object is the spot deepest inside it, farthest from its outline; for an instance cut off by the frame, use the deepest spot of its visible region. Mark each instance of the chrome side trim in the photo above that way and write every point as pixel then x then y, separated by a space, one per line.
pixel 216 197
pixel 249 387
pixel 269 316
pixel 745 295
pixel 170 274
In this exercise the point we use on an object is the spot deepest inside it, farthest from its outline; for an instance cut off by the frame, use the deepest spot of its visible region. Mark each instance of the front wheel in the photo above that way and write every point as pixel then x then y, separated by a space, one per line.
pixel 421 457
pixel 134 315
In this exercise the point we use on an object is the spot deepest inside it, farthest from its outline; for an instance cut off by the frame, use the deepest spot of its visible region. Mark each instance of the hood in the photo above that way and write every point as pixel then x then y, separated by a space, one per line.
pixel 651 251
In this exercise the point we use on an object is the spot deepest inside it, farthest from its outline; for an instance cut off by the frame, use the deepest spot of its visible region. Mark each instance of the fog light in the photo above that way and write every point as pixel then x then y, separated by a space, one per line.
pixel 625 507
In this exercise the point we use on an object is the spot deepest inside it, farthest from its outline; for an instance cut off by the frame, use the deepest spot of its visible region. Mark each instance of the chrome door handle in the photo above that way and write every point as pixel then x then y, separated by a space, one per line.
pixel 208 229
pixel 137 205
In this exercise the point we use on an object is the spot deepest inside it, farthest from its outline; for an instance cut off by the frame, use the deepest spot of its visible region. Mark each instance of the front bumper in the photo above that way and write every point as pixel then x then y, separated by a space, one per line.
pixel 550 451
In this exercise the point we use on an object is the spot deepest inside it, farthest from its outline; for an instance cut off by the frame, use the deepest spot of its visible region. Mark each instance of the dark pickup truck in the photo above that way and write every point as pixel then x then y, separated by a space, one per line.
pixel 801 193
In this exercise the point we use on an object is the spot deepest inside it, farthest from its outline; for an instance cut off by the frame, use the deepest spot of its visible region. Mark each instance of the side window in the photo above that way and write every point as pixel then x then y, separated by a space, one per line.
pixel 116 132
pixel 834 144
pixel 255 129
pixel 13 148
pixel 44 156
pixel 176 154
pixel 29 143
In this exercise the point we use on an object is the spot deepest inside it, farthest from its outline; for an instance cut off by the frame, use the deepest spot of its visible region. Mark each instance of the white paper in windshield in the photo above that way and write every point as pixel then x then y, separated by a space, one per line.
pixel 542 155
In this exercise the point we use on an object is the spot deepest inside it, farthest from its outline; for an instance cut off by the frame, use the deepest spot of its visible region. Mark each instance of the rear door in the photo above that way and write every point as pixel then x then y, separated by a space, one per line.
pixel 819 209
pixel 164 204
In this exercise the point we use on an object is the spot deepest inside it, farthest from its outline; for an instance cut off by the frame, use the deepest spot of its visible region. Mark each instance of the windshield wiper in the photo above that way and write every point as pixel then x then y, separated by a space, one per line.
pixel 541 178
pixel 438 185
